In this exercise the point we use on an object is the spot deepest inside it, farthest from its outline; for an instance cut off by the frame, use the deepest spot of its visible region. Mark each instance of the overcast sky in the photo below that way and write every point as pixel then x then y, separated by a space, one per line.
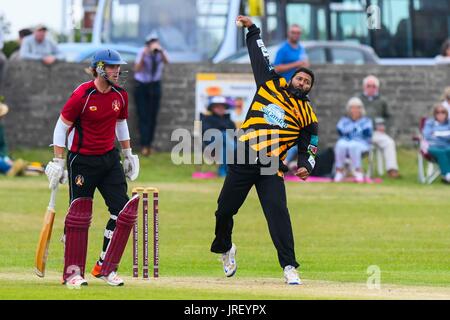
pixel 27 13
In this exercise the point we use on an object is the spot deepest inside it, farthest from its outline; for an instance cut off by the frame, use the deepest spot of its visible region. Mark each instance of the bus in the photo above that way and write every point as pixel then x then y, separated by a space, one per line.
pixel 205 30
pixel 190 30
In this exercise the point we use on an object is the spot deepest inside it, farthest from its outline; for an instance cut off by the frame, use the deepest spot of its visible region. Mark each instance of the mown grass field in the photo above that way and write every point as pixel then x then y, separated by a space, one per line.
pixel 340 230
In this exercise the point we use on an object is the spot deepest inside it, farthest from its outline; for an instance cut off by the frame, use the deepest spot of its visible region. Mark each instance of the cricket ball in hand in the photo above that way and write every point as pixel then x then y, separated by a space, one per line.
pixel 239 23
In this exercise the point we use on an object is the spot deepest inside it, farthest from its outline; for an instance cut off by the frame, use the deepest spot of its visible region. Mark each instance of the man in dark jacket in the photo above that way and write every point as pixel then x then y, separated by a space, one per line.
pixel 377 109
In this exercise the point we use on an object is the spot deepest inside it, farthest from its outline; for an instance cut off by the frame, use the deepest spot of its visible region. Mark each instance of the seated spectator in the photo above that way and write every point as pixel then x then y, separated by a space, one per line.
pixel 355 134
pixel 7 166
pixel 437 135
pixel 444 56
pixel 378 110
pixel 446 99
pixel 38 47
pixel 220 120
pixel 15 56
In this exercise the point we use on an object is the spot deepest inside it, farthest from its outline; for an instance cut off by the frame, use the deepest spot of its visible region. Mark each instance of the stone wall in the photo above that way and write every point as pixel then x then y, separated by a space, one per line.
pixel 35 93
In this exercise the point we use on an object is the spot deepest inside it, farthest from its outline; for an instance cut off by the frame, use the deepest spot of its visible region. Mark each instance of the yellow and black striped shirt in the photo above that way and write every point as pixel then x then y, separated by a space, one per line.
pixel 275 113
pixel 276 119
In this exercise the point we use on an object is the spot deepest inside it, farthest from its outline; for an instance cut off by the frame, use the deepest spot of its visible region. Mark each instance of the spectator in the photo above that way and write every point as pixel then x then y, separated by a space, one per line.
pixel 38 47
pixel 444 56
pixel 148 69
pixel 437 136
pixel 378 110
pixel 7 166
pixel 220 120
pixel 15 56
pixel 291 55
pixel 446 99
pixel 355 134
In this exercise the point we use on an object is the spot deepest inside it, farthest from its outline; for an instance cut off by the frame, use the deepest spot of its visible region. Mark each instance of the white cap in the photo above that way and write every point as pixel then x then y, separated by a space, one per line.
pixel 218 100
pixel 151 36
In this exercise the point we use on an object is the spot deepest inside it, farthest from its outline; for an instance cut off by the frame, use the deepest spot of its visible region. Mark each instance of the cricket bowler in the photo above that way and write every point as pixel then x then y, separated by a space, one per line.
pixel 95 114
pixel 279 117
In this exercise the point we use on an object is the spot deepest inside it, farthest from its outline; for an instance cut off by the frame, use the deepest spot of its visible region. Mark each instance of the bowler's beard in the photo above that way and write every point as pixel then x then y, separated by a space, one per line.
pixel 297 92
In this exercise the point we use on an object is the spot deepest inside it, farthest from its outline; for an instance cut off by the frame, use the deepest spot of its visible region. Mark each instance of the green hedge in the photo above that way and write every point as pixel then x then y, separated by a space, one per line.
pixel 9 47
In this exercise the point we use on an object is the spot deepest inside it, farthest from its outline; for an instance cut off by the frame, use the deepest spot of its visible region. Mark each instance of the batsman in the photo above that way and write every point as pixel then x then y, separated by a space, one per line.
pixel 95 114
pixel 280 116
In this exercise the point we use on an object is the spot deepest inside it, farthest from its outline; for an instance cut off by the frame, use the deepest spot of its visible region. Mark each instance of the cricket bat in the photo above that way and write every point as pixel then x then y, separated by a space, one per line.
pixel 45 235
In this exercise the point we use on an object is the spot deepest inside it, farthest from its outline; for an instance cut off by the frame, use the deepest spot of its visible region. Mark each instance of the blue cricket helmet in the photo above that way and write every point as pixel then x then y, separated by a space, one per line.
pixel 107 56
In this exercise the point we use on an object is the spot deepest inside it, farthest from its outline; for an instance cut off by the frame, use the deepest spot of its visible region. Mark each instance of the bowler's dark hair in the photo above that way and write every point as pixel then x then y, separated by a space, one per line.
pixel 305 70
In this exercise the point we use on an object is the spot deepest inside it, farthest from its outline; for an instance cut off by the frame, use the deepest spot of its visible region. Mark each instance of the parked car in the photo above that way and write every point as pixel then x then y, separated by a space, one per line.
pixel 83 52
pixel 320 52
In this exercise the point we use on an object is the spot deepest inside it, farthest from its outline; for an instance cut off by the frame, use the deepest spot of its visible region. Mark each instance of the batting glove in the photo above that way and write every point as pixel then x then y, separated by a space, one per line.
pixel 55 172
pixel 130 164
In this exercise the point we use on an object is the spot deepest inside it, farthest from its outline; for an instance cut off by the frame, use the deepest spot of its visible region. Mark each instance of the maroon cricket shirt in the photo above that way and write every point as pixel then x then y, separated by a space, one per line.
pixel 94 116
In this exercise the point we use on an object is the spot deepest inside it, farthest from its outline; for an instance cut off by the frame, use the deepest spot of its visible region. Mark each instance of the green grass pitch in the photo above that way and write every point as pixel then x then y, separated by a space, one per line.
pixel 340 230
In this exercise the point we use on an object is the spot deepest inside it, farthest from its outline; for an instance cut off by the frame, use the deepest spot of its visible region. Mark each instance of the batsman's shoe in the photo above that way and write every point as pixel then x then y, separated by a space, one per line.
pixel 291 275
pixel 229 261
pixel 112 279
pixel 75 282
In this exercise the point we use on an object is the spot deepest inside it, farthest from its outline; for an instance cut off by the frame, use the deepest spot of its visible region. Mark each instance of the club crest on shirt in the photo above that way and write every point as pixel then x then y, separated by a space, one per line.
pixel 274 115
pixel 79 180
pixel 116 105
pixel 93 108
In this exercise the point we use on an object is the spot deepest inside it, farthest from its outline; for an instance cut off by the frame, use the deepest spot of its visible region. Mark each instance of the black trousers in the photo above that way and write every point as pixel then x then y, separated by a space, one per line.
pixel 272 196
pixel 147 97
pixel 105 173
